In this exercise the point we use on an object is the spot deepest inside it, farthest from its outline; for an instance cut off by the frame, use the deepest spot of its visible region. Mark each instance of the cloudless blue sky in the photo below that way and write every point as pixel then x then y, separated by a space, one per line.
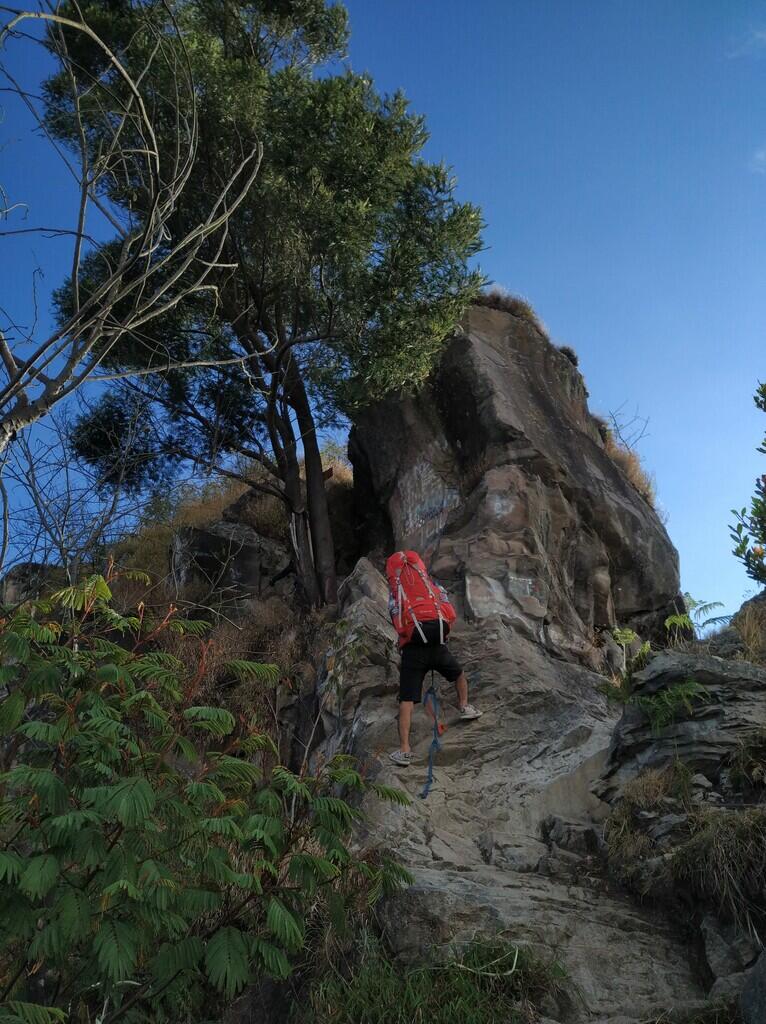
pixel 618 151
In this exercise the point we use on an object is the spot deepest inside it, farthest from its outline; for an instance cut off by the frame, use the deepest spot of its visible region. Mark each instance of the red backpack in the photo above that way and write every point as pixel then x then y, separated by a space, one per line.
pixel 414 597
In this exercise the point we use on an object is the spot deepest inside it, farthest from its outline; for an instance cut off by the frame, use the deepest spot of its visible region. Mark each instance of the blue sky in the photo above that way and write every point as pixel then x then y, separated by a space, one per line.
pixel 618 150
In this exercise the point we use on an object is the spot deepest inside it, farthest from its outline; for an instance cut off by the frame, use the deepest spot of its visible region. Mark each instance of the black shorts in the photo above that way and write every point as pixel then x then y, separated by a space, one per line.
pixel 418 658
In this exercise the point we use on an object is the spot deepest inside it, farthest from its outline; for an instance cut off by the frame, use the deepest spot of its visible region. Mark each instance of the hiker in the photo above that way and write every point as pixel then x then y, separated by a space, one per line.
pixel 422 615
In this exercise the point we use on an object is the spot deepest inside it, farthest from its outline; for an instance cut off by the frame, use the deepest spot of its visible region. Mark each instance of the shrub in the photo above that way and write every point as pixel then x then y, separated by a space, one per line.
pixel 749 529
pixel 570 353
pixel 155 856
pixel 491 981
pixel 724 864
pixel 498 298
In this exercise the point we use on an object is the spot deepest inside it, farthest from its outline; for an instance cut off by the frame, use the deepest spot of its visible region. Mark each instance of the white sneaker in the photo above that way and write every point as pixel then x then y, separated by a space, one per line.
pixel 400 758
pixel 468 712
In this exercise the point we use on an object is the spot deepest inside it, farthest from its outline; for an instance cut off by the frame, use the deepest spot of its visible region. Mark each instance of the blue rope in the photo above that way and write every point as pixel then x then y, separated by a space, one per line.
pixel 435 744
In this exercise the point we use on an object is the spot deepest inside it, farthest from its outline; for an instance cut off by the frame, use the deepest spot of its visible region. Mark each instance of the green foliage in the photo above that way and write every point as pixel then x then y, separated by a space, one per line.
pixel 491 981
pixel 694 621
pixel 153 857
pixel 620 687
pixel 664 707
pixel 351 251
pixel 749 528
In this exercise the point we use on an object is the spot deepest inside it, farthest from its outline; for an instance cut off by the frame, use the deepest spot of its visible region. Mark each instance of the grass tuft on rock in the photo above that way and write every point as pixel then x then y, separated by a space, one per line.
pixel 724 863
pixel 499 298
pixel 491 981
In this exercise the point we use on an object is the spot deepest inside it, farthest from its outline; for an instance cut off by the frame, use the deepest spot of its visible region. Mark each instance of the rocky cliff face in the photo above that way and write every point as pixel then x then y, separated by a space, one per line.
pixel 497 471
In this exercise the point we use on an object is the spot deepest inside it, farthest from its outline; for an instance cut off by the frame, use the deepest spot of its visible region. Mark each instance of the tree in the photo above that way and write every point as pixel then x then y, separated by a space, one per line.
pixel 749 529
pixel 112 139
pixel 154 856
pixel 347 266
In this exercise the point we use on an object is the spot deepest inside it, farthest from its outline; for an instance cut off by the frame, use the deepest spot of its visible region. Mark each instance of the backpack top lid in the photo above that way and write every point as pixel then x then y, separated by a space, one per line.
pixel 400 559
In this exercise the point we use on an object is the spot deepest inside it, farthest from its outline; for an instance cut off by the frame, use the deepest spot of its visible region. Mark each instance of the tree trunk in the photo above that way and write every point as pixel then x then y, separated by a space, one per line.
pixel 304 562
pixel 319 513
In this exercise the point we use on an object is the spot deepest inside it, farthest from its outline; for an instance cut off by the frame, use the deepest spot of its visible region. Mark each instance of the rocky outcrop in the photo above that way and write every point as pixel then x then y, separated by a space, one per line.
pixel 730 710
pixel 508 838
pixel 229 559
pixel 498 472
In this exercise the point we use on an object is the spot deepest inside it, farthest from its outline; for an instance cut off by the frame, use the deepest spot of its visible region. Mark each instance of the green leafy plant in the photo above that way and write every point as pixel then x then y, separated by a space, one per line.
pixel 620 686
pixel 682 626
pixel 749 529
pixel 154 856
pixel 663 708
pixel 492 980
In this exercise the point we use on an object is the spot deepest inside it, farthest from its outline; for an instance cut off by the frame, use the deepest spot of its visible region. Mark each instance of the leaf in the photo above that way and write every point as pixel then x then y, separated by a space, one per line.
pixel 253 671
pixel 73 913
pixel 46 786
pixel 391 794
pixel 177 956
pixel 39 876
pixel 42 732
pixel 217 721
pixel 123 885
pixel 283 923
pixel 93 589
pixel 30 1013
pixel 115 947
pixel 132 800
pixel 15 646
pixel 12 711
pixel 274 959
pixel 10 866
pixel 227 962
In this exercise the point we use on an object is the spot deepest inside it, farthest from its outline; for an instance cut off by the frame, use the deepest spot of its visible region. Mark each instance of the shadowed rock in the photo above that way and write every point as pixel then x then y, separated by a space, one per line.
pixel 497 472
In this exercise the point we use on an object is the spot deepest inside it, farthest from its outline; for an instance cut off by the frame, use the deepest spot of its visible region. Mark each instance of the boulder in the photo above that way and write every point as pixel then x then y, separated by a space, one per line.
pixel 734 710
pixel 497 473
pixel 229 559
pixel 753 994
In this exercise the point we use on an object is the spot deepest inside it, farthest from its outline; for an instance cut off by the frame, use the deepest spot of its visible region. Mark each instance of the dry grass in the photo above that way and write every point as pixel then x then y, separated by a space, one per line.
pixel 569 352
pixel 498 298
pixel 724 864
pixel 646 791
pixel 629 462
pixel 750 623
pixel 747 765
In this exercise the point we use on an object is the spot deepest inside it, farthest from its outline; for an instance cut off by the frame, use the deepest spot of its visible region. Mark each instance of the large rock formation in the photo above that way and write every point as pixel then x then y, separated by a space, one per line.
pixel 506 839
pixel 498 471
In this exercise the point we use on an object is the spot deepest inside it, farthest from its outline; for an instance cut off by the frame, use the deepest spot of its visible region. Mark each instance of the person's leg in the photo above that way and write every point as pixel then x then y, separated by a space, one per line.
pixel 411 675
pixel 461 686
pixel 448 665
pixel 405 722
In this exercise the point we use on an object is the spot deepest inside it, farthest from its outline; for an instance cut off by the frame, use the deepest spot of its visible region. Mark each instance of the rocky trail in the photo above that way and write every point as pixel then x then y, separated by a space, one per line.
pixel 477 845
